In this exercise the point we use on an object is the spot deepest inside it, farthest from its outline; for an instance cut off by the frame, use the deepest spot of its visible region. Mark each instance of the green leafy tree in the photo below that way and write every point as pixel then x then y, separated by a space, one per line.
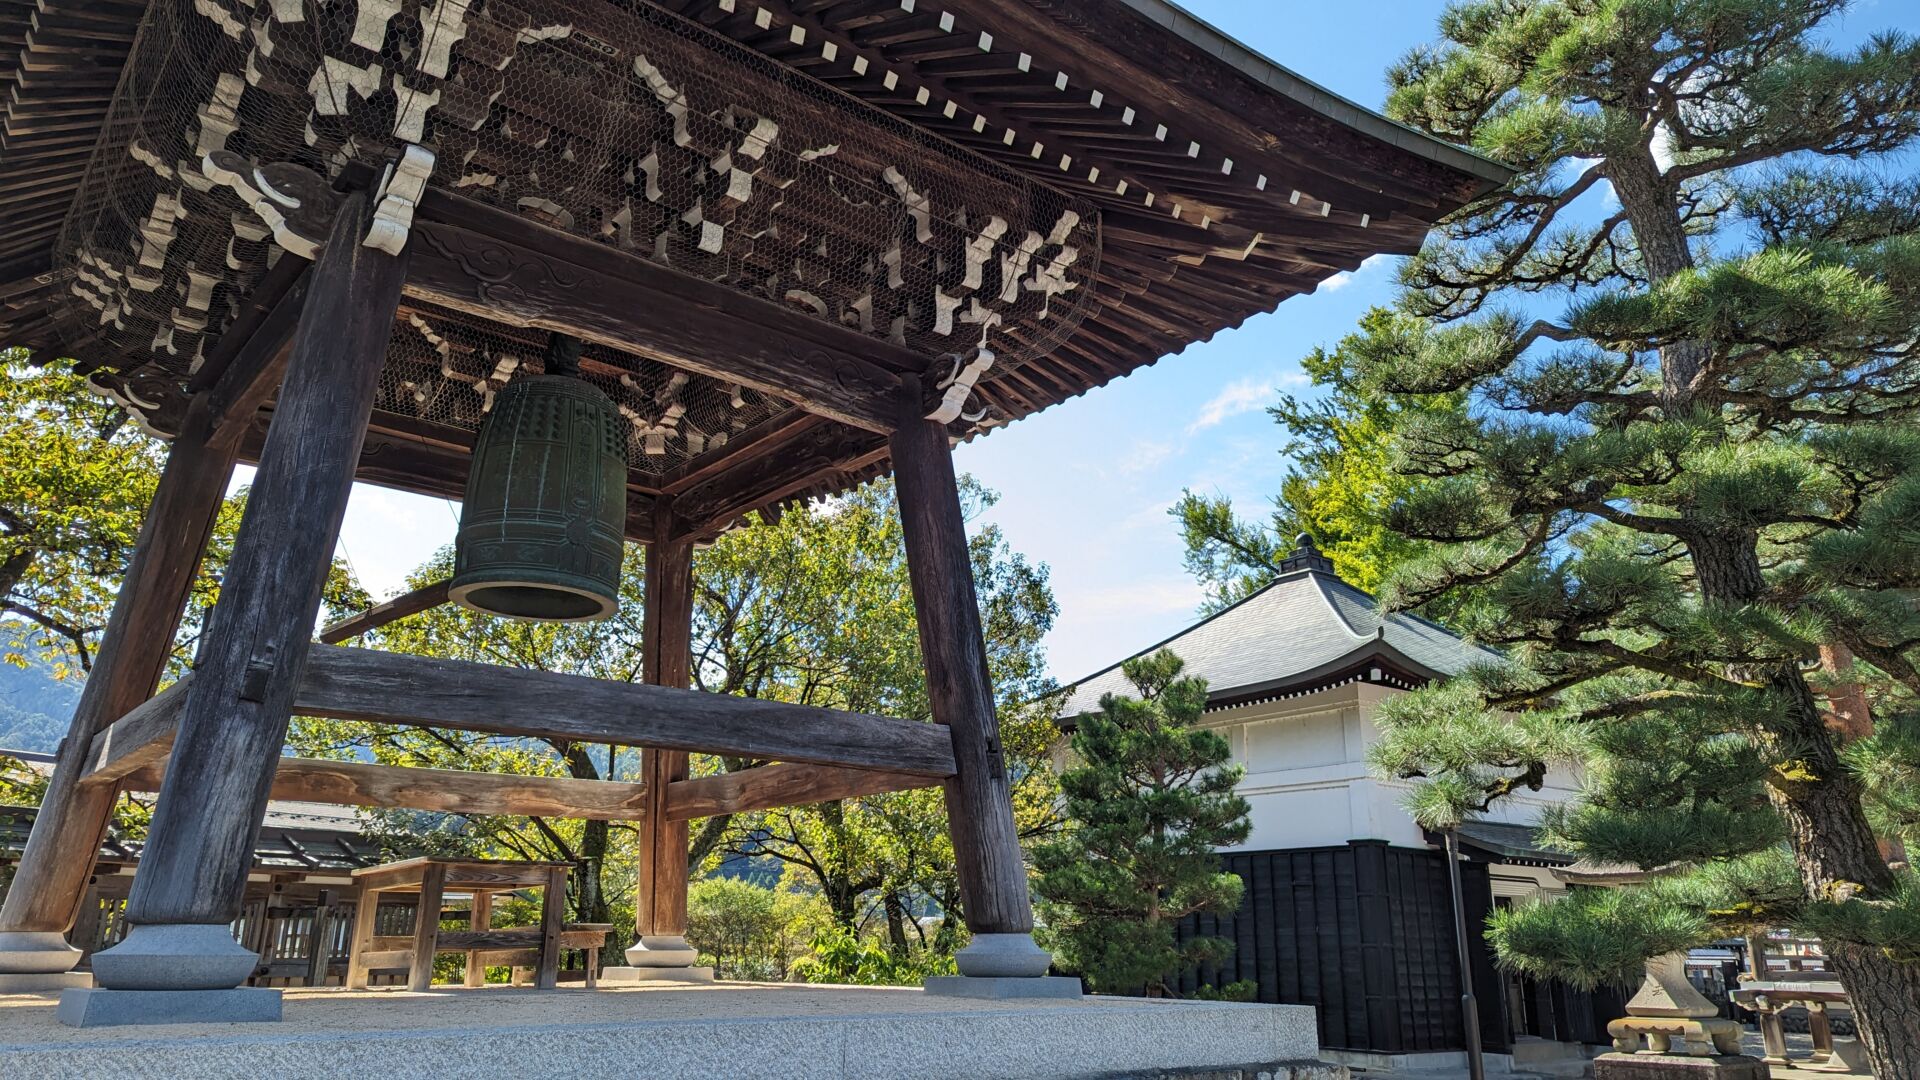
pixel 749 931
pixel 823 597
pixel 1687 332
pixel 75 479
pixel 1151 799
pixel 1339 484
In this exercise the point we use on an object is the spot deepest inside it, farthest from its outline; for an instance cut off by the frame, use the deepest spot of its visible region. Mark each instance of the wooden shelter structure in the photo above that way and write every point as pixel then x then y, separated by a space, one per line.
pixel 804 243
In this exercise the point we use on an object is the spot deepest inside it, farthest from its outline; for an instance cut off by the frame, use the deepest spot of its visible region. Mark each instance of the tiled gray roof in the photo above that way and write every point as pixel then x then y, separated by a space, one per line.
pixel 1304 624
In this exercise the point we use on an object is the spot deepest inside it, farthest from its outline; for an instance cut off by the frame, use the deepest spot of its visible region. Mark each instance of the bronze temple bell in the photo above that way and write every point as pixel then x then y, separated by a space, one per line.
pixel 542 526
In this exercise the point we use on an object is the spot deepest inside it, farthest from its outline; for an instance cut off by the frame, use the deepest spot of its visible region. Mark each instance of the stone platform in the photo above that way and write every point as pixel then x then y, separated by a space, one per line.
pixel 744 1030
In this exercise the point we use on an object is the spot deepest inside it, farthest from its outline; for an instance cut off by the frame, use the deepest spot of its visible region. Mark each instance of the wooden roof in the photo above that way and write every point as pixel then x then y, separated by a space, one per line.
pixel 1223 185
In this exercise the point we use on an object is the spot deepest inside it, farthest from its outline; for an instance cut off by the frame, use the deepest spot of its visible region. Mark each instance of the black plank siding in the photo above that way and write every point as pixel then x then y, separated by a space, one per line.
pixel 1364 934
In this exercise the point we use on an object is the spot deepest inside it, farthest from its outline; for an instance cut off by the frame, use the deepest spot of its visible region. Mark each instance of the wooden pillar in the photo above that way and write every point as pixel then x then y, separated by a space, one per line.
pixel 480 921
pixel 320 939
pixel 233 724
pixel 426 926
pixel 986 847
pixel 366 922
pixel 660 906
pixel 51 879
pixel 553 921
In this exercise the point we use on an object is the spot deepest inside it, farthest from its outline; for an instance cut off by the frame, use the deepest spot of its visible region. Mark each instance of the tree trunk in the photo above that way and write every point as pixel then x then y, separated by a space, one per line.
pixel 1833 845
pixel 592 896
pixel 896 924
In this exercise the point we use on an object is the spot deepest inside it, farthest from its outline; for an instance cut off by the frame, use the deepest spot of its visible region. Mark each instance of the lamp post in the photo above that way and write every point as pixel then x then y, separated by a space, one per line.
pixel 1469 1008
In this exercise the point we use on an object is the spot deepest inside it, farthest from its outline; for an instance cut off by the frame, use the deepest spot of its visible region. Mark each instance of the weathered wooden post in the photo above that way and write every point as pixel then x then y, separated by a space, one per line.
pixel 51 880
pixel 234 721
pixel 1002 960
pixel 660 903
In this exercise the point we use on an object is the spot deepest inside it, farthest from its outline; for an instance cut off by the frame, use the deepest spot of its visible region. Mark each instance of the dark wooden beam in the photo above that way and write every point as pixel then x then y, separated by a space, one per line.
pixel 51 881
pixel 379 615
pixel 472 257
pixel 138 740
pixel 764 478
pixel 391 688
pixel 660 896
pixel 447 791
pixel 234 722
pixel 986 845
pixel 782 784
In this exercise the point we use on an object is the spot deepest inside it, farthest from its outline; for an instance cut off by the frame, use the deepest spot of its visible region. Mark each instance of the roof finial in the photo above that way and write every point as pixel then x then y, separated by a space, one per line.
pixel 1306 556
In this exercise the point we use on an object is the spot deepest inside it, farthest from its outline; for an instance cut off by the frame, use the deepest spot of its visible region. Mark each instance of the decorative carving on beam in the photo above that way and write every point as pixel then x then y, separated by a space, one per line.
pixel 957 386
pixel 500 266
pixel 296 204
pixel 399 193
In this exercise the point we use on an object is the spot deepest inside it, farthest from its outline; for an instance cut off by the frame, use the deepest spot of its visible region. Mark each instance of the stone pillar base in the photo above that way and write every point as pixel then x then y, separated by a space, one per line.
pixel 175 956
pixel 1003 987
pixel 36 952
pixel 110 1008
pixel 1003 956
pixel 631 975
pixel 1617 1066
pixel 43 981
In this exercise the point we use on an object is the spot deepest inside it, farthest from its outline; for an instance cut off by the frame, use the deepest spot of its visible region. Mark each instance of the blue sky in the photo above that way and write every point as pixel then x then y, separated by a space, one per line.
pixel 1085 486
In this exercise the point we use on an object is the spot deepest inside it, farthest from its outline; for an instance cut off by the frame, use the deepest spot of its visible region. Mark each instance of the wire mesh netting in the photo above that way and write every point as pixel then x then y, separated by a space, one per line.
pixel 617 121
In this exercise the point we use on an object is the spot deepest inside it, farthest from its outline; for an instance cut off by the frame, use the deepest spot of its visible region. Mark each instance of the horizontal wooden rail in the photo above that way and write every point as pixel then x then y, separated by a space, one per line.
pixel 390 688
pixel 379 615
pixel 784 784
pixel 448 791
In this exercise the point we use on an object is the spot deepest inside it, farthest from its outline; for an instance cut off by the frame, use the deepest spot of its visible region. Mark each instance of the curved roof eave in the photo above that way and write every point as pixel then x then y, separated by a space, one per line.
pixel 1317 97
pixel 1369 649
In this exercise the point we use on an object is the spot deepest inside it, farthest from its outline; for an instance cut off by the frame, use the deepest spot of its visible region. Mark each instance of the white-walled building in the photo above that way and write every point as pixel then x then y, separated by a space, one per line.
pixel 1346 906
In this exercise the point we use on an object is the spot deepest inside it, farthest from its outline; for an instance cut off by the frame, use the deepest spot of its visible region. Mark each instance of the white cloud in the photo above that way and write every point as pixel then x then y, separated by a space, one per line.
pixel 1244 396
pixel 1144 456
pixel 1345 277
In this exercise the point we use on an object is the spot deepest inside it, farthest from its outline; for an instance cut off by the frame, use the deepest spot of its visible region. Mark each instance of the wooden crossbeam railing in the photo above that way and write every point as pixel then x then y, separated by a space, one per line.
pixel 784 784
pixel 382 687
pixel 450 791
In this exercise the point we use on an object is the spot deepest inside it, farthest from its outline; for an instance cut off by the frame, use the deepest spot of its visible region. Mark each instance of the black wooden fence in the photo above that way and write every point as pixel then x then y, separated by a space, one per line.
pixel 1364 933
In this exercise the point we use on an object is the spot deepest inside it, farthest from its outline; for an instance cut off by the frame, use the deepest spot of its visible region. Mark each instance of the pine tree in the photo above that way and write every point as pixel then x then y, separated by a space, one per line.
pixel 1695 470
pixel 1150 799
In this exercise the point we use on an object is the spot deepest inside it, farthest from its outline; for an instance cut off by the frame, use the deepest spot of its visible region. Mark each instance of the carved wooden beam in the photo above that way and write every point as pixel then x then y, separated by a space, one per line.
pixel 448 791
pixel 476 258
pixel 391 688
pixel 783 784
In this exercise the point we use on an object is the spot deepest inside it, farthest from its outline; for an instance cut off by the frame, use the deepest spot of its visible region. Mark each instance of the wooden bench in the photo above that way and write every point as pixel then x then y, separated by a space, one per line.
pixel 432 878
pixel 516 947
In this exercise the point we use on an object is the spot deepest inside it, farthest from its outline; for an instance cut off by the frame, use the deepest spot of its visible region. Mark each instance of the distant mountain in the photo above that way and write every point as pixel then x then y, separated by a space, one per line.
pixel 34 708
